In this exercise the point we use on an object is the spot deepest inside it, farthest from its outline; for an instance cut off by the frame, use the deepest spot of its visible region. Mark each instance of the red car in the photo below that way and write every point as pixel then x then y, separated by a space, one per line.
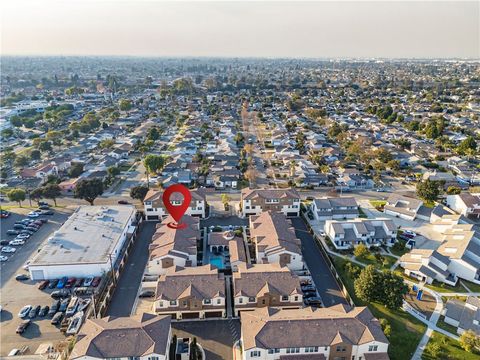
pixel 96 281
pixel 70 282
pixel 43 284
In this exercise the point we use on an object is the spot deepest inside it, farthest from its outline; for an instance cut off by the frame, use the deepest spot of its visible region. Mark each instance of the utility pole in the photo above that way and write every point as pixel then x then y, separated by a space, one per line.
pixel 112 270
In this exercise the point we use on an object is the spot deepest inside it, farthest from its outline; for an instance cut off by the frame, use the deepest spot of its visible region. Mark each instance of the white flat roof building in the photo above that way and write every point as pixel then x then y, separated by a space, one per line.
pixel 87 244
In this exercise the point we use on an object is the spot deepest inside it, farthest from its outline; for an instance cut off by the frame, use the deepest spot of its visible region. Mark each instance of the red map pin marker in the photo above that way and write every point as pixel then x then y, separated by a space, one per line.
pixel 177 211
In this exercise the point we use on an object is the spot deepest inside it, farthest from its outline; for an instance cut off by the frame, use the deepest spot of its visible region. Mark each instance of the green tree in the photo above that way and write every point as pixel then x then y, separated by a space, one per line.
pixel 45 146
pixel 360 251
pixel 125 104
pixel 428 190
pixel 453 190
pixel 225 200
pixel 113 171
pixel 76 169
pixel 153 134
pixel 368 285
pixel 469 340
pixel 467 146
pixel 36 194
pixel 52 191
pixel 89 189
pixel 17 195
pixel 154 163
pixel 35 154
pixel 393 290
pixel 21 161
pixel 106 144
pixel 138 192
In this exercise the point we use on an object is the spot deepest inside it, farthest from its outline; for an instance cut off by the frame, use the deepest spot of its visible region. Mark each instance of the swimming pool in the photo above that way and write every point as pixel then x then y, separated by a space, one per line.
pixel 217 261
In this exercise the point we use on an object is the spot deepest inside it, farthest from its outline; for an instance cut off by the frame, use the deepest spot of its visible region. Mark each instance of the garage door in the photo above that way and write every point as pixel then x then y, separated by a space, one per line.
pixel 294 214
pixel 213 314
pixel 194 315
pixel 152 217
pixel 38 275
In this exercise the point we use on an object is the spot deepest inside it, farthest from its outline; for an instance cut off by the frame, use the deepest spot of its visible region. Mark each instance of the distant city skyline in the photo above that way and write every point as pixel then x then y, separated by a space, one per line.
pixel 404 29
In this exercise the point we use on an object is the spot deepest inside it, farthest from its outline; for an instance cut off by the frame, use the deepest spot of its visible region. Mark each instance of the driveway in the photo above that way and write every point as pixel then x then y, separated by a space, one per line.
pixel 324 280
pixel 224 221
pixel 125 294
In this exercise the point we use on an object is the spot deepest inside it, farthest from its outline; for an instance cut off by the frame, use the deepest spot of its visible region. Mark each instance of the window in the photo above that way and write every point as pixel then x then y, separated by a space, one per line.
pixel 153 358
pixel 373 348
pixel 240 300
pixel 293 350
pixel 247 207
pixel 270 351
pixel 149 209
pixel 277 350
pixel 311 349
pixel 255 353
pixel 251 299
pixel 271 201
pixel 341 348
pixel 207 301
pixel 148 203
pixel 284 298
pixel 173 303
pixel 185 303
pixel 295 298
pixel 133 358
pixel 219 301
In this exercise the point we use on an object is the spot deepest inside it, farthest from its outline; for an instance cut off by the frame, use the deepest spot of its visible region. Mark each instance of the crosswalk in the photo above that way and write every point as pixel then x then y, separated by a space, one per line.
pixel 233 329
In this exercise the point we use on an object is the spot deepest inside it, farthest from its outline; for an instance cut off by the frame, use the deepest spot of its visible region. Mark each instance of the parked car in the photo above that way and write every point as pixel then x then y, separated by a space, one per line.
pixel 54 308
pixel 409 234
pixel 60 294
pixel 17 242
pixel 57 318
pixel 33 312
pixel 4 214
pixel 43 284
pixel 308 288
pixel 3 258
pixel 96 281
pixel 19 226
pixel 123 202
pixel 62 282
pixel 38 223
pixel 309 294
pixel 44 311
pixel 88 281
pixel 4 242
pixel 78 283
pixel 22 236
pixel 26 231
pixel 315 300
pixel 22 277
pixel 70 282
pixel 64 304
pixel 305 282
pixel 43 203
pixel 44 207
pixel 13 232
pixel 24 311
pixel 53 284
pixel 23 326
pixel 33 214
pixel 47 212
pixel 147 293
pixel 8 249
pixel 42 220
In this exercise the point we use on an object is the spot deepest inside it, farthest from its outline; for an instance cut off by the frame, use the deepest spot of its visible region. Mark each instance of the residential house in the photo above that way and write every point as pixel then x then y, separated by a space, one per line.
pixel 370 232
pixel 253 202
pixel 172 247
pixel 275 241
pixel 191 293
pixel 464 315
pixel 465 204
pixel 155 209
pixel 335 208
pixel 354 179
pixel 142 337
pixel 40 171
pixel 407 208
pixel 447 178
pixel 337 332
pixel 263 285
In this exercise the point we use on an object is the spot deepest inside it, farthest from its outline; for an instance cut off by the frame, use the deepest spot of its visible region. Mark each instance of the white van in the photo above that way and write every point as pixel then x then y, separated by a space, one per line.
pixel 14 352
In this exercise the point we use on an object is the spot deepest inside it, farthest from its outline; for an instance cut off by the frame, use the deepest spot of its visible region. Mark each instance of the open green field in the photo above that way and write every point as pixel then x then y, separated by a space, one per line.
pixel 448 349
pixel 370 259
pixel 406 330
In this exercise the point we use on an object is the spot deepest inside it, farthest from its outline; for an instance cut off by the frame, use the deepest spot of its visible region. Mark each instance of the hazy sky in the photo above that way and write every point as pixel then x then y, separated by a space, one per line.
pixel 247 28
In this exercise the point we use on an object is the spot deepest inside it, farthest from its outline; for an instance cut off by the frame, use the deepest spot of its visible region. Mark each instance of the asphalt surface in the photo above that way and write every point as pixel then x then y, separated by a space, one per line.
pixel 125 294
pixel 224 221
pixel 324 280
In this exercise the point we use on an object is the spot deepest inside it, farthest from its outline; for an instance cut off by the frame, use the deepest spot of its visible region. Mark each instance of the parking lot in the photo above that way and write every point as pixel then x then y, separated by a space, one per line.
pixel 15 294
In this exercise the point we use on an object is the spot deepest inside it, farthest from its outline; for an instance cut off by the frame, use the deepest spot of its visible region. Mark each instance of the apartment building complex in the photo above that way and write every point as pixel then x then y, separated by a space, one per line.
pixel 335 208
pixel 155 210
pixel 253 202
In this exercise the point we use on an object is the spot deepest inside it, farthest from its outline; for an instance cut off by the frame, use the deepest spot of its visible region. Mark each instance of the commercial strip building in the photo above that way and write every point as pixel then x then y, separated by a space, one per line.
pixel 90 243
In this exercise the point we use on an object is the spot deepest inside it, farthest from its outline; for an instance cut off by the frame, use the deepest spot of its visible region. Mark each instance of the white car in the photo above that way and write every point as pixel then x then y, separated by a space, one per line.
pixel 22 237
pixel 25 310
pixel 33 214
pixel 3 258
pixel 8 249
pixel 17 242
pixel 410 233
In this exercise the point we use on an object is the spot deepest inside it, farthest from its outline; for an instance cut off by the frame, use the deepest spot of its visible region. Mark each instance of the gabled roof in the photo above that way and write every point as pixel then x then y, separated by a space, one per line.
pixel 249 194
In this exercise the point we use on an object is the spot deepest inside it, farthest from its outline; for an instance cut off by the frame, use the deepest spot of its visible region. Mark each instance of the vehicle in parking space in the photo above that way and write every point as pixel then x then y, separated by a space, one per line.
pixel 308 294
pixel 44 203
pixel 70 282
pixel 88 281
pixel 33 312
pixel 42 220
pixel 59 294
pixel 64 304
pixel 3 258
pixel 72 306
pixel 26 231
pixel 38 223
pixel 22 236
pixel 62 282
pixel 4 214
pixel 146 293
pixel 22 277
pixel 23 326
pixel 47 212
pixel 123 202
pixel 82 291
pixel 14 352
pixel 409 234
pixel 308 287
pixel 12 232
pixel 19 226
pixel 315 300
pixel 17 242
pixel 78 283
pixel 57 318
pixel 8 249
pixel 4 242
pixel 33 214
pixel 43 284
pixel 96 281
pixel 44 207
pixel 44 311
pixel 54 308
pixel 53 283
pixel 304 282
pixel 33 228
pixel 24 311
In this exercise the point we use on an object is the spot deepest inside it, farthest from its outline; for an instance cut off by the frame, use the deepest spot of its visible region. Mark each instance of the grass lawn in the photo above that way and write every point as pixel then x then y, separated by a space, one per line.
pixel 472 286
pixel 395 251
pixel 442 287
pixel 449 349
pixel 406 330
pixel 447 327
pixel 378 203
pixel 362 213
pixel 371 260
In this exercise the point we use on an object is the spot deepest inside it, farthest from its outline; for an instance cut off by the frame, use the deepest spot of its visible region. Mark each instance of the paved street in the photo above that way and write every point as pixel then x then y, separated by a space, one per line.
pixel 323 278
pixel 224 221
pixel 126 292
